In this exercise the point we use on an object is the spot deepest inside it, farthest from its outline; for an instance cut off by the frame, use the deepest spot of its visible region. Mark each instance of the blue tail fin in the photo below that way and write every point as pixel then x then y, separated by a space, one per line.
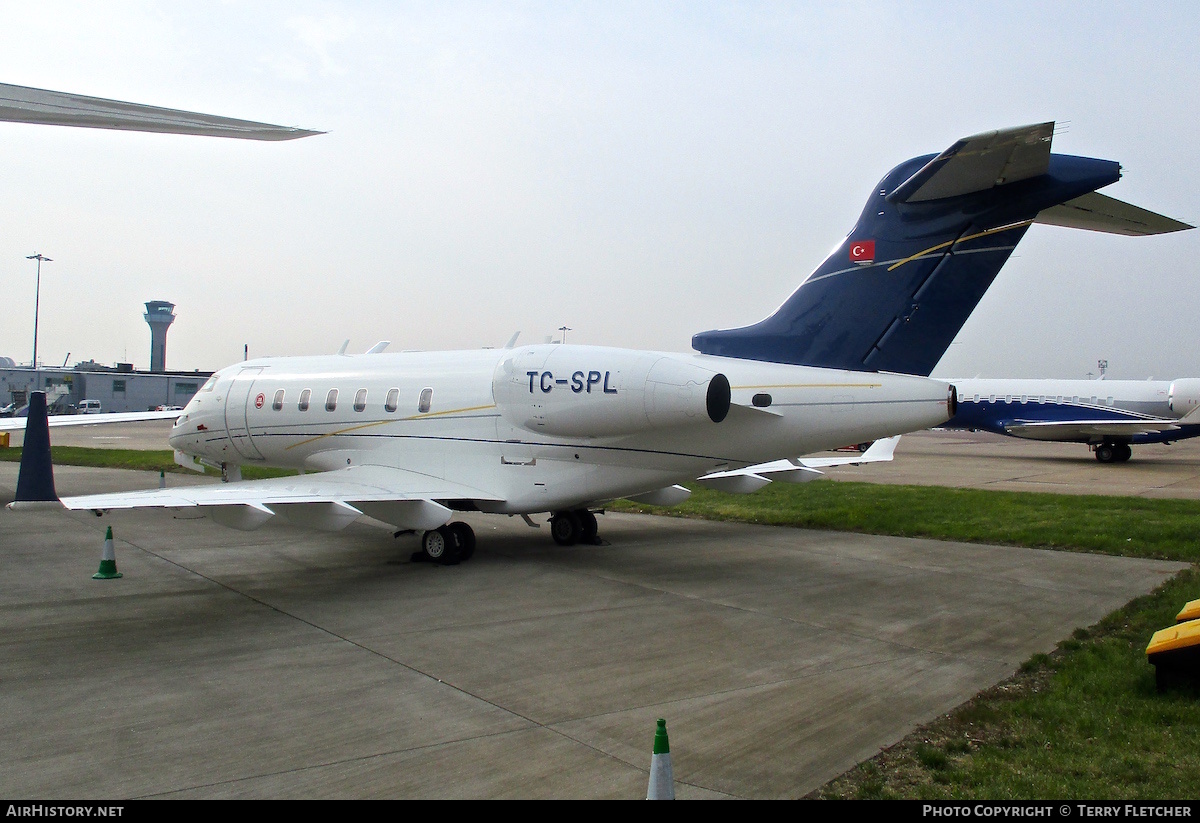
pixel 929 243
pixel 35 482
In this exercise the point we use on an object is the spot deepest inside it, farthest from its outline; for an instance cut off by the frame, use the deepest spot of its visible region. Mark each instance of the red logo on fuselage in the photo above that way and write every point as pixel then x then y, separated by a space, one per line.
pixel 258 401
pixel 862 251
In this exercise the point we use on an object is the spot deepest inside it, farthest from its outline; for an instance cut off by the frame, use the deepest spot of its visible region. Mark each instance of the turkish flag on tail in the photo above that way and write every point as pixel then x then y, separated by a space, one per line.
pixel 862 251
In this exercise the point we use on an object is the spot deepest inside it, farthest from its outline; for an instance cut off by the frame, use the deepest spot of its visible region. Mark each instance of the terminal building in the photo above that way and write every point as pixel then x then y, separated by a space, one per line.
pixel 117 388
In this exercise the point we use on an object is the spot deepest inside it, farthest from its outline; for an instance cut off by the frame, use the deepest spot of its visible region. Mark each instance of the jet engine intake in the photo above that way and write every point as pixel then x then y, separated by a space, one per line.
pixel 1184 395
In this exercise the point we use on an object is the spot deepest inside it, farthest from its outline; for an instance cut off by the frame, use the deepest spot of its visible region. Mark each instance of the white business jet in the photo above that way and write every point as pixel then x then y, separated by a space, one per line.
pixel 410 439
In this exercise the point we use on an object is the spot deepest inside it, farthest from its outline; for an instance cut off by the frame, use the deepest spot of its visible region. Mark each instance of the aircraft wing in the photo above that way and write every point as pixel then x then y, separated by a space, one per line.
pixel 55 108
pixel 793 470
pixel 1085 430
pixel 18 423
pixel 325 500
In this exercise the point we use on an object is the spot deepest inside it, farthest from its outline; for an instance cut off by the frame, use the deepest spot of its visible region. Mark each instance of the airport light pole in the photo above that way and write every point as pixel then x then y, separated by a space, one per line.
pixel 564 330
pixel 37 295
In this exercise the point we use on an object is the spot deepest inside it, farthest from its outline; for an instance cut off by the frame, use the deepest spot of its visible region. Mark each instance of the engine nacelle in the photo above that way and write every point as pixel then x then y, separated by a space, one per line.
pixel 1184 395
pixel 592 391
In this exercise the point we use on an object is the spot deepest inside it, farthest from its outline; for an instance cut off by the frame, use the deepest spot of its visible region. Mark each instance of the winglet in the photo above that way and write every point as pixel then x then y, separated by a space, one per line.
pixel 35 483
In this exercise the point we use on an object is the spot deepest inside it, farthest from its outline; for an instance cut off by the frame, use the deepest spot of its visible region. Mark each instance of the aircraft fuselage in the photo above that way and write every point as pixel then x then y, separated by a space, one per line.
pixel 543 427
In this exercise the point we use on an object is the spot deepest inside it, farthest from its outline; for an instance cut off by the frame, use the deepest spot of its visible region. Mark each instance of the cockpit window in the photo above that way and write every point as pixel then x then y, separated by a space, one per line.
pixel 212 381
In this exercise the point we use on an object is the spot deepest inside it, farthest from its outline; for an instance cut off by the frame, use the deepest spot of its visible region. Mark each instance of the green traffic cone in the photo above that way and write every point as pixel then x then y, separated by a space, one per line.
pixel 662 780
pixel 108 560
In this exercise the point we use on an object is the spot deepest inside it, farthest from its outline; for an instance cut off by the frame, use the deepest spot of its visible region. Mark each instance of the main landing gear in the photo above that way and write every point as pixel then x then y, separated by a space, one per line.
pixel 1113 452
pixel 577 526
pixel 448 545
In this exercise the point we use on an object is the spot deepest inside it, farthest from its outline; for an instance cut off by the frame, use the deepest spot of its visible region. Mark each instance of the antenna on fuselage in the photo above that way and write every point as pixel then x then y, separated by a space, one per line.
pixel 345 346
pixel 512 341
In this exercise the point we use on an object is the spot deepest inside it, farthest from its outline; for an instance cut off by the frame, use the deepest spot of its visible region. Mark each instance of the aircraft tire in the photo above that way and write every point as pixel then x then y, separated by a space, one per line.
pixel 589 528
pixel 439 546
pixel 565 528
pixel 463 537
pixel 1123 452
pixel 1106 452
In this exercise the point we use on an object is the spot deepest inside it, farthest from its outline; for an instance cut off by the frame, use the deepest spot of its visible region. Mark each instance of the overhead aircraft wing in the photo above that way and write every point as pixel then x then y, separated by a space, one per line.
pixel 328 500
pixel 1084 430
pixel 55 420
pixel 1099 212
pixel 22 104
pixel 793 470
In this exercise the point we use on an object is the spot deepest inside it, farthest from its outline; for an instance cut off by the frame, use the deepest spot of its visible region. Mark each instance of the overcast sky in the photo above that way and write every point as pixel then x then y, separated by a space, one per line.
pixel 634 171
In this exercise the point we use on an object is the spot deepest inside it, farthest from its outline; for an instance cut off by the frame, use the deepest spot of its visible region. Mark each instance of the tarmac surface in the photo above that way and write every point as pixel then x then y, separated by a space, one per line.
pixel 284 663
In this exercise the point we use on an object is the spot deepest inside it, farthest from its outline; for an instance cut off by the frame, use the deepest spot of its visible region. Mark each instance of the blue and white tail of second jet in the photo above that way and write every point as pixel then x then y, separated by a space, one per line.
pixel 932 238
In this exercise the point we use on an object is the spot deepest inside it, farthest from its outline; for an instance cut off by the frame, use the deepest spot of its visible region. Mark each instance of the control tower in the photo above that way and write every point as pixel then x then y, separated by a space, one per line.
pixel 160 315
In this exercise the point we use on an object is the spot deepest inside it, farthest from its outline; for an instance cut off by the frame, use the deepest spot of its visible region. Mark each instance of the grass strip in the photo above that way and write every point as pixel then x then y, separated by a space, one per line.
pixel 1085 722
pixel 1125 526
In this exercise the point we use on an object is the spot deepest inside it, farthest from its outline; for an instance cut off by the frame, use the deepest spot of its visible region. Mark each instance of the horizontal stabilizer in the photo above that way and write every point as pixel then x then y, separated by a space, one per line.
pixel 21 104
pixel 979 163
pixel 1099 212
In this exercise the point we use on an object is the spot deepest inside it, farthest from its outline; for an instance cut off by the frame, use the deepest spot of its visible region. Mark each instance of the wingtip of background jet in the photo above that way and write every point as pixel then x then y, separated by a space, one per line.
pixel 23 104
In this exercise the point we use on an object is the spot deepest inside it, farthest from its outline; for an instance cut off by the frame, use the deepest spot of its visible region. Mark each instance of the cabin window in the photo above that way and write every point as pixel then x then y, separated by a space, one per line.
pixel 305 396
pixel 991 398
pixel 1041 398
pixel 976 400
pixel 277 403
pixel 426 401
pixel 1024 398
pixel 1110 401
pixel 331 400
pixel 360 400
pixel 393 400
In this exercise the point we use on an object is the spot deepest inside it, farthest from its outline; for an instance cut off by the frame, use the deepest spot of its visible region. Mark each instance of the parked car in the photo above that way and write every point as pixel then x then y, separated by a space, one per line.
pixel 9 410
pixel 168 408
pixel 88 407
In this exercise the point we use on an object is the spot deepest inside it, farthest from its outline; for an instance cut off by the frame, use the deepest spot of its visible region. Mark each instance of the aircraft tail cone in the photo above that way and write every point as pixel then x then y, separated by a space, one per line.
pixel 108 560
pixel 662 780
